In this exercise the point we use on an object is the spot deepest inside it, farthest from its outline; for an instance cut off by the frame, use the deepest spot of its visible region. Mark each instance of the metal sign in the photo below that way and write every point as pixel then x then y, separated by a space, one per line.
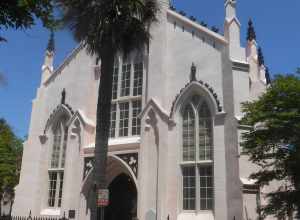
pixel 103 197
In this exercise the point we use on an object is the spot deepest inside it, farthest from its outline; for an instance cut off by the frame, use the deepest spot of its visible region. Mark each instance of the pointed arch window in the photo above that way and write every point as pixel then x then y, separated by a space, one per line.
pixel 57 164
pixel 197 156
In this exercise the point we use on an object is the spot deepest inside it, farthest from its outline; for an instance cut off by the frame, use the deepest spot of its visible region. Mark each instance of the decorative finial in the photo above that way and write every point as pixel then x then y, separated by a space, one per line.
pixel 193 72
pixel 260 57
pixel 51 43
pixel 29 217
pixel 230 1
pixel 63 96
pixel 251 35
pixel 268 77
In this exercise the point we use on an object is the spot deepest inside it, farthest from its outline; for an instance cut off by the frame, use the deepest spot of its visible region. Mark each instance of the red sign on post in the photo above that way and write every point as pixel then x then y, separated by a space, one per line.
pixel 103 197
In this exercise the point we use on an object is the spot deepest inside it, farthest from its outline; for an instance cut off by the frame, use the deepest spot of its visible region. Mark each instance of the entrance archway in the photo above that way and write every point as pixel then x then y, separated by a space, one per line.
pixel 123 199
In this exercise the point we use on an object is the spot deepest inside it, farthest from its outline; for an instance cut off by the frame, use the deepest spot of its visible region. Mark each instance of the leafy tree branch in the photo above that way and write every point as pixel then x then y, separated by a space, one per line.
pixel 273 143
pixel 21 14
pixel 10 159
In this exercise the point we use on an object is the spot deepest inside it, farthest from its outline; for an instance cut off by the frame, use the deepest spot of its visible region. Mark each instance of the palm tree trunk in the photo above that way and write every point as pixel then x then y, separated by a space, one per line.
pixel 1 197
pixel 103 121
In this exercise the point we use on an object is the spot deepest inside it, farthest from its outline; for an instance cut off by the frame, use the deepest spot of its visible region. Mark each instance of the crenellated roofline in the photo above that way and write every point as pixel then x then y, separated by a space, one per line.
pixel 197 26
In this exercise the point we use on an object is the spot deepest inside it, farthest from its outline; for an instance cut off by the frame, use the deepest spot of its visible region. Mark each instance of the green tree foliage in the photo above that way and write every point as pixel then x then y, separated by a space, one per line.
pixel 10 159
pixel 273 143
pixel 106 27
pixel 21 14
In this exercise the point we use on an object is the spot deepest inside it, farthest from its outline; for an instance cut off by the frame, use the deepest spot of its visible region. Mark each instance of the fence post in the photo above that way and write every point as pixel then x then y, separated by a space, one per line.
pixel 64 217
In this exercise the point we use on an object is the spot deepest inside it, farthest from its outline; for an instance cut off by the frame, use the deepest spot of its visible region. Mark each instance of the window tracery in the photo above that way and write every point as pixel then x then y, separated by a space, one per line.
pixel 57 164
pixel 126 98
pixel 197 156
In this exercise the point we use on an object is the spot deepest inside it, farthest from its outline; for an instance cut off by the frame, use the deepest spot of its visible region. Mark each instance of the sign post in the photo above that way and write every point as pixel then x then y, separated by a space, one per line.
pixel 103 198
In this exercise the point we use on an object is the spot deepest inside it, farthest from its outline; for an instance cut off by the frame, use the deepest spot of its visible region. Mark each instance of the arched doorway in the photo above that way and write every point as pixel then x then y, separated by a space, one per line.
pixel 123 199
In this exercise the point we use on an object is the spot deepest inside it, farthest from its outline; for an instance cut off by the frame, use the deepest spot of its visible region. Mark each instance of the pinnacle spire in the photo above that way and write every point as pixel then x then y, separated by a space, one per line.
pixel 51 43
pixel 260 57
pixel 230 9
pixel 230 1
pixel 165 3
pixel 63 97
pixel 193 73
pixel 268 77
pixel 251 35
pixel 47 67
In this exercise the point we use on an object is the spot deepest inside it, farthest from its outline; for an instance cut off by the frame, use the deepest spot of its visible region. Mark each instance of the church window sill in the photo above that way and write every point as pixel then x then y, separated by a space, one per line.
pixel 192 215
pixel 50 212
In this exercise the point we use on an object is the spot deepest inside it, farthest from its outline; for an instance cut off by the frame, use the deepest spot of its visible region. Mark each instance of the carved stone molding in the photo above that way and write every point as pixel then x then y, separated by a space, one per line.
pixel 240 66
pixel 86 122
pixel 148 125
pixel 204 86
pixel 131 159
pixel 62 109
pixel 88 165
pixel 43 138
pixel 75 130
pixel 152 105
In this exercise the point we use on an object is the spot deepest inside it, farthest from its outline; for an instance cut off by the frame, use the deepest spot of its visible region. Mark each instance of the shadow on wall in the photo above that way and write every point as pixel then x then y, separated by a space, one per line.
pixel 91 200
pixel 6 204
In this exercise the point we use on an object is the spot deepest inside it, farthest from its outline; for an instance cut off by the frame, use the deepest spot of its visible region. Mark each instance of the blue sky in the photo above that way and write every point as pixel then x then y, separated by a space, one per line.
pixel 276 24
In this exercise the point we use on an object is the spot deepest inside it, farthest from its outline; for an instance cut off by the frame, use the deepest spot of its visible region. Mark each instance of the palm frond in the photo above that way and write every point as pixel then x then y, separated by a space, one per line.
pixel 125 21
pixel 2 39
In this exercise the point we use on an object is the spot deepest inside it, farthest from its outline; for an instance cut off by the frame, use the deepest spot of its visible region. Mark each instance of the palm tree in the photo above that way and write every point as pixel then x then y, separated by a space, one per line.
pixel 107 27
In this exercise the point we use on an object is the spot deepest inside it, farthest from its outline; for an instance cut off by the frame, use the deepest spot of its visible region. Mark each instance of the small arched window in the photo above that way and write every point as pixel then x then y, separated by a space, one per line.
pixel 57 164
pixel 197 156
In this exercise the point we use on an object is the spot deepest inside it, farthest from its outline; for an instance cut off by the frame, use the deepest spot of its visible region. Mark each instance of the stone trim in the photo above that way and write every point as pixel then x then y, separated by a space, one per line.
pixel 131 159
pixel 152 104
pixel 87 123
pixel 88 166
pixel 203 85
pixel 231 20
pixel 240 66
pixel 62 108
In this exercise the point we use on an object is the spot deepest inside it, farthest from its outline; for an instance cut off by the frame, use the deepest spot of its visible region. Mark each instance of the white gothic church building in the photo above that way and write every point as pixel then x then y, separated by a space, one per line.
pixel 174 150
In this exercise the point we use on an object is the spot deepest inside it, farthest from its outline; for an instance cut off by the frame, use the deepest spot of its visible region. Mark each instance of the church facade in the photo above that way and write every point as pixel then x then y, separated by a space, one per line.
pixel 174 149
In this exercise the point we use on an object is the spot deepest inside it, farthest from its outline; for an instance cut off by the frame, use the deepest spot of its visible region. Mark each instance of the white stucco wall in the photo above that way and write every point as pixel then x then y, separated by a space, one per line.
pixel 78 79
pixel 176 43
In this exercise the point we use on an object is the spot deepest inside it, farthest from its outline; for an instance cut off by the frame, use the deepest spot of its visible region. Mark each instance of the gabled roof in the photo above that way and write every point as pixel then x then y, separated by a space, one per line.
pixel 66 61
